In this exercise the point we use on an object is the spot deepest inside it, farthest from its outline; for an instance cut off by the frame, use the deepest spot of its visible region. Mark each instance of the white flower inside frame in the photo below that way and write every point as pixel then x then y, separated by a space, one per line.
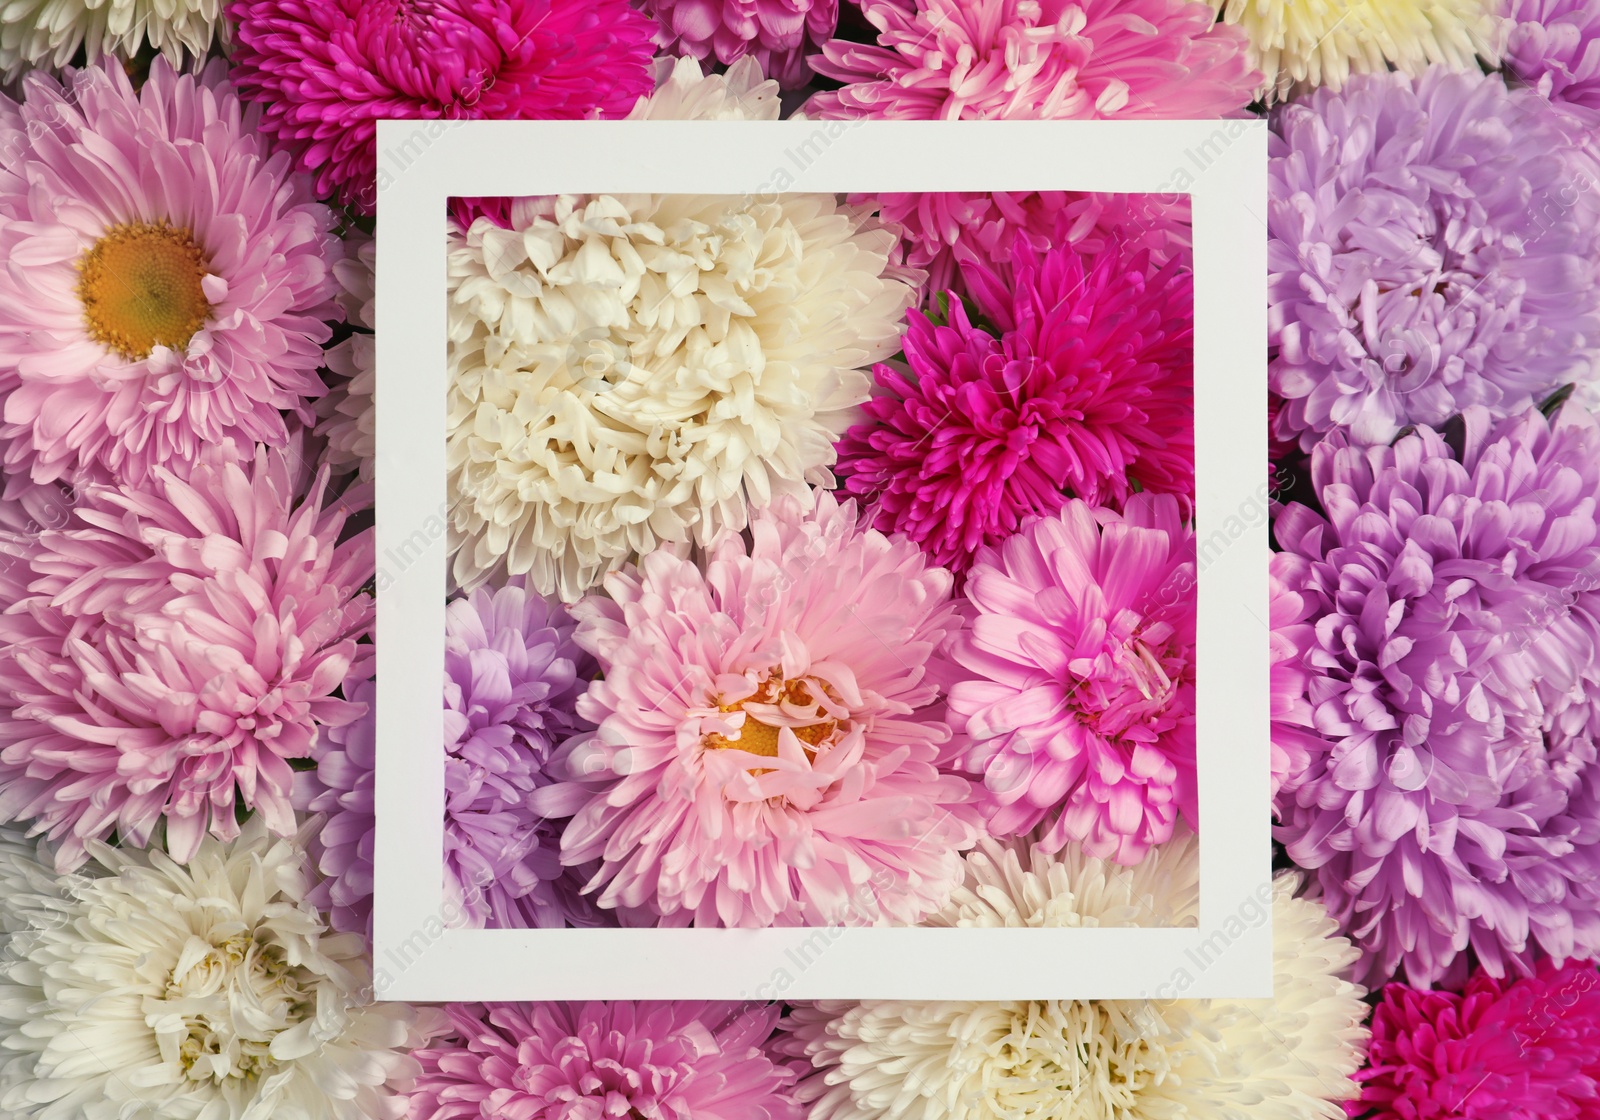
pixel 1229 953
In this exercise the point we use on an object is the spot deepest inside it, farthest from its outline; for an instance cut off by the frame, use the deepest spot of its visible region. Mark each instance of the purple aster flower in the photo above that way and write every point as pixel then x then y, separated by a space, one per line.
pixel 1449 634
pixel 1432 247
pixel 777 33
pixel 511 682
pixel 1552 47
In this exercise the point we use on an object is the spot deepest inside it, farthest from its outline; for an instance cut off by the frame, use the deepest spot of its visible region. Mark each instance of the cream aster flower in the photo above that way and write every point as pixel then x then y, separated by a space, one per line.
pixel 1015 883
pixel 1300 44
pixel 683 93
pixel 49 32
pixel 1287 1058
pixel 637 371
pixel 345 417
pixel 206 992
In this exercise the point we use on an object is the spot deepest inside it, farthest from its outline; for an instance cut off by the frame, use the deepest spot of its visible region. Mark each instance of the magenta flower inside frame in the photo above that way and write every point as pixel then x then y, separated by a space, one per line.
pixel 792 543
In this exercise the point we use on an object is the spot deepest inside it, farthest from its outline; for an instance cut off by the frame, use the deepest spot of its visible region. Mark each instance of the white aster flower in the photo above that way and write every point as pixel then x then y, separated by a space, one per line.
pixel 1014 883
pixel 1301 44
pixel 632 372
pixel 148 989
pixel 49 32
pixel 1287 1058
pixel 345 417
pixel 683 93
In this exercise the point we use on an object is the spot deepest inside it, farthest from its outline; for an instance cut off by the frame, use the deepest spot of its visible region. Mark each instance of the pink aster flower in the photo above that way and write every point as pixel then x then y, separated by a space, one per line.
pixel 605 1061
pixel 169 282
pixel 1294 738
pixel 1081 386
pixel 777 33
pixel 1525 1049
pixel 771 733
pixel 327 70
pixel 170 651
pixel 1028 59
pixel 937 226
pixel 1082 649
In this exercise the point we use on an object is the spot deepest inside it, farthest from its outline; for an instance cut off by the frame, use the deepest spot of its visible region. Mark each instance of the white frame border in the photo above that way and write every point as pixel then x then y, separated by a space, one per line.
pixel 1221 164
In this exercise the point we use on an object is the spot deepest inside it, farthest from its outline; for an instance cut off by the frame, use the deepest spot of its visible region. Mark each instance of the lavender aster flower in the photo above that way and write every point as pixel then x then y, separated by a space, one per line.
pixel 1452 660
pixel 511 681
pixel 1432 246
pixel 1552 47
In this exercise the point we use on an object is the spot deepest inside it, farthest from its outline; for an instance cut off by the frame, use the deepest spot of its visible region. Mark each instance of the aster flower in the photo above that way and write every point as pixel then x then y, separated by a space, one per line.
pixel 1525 1049
pixel 443 59
pixel 1028 59
pixel 1294 738
pixel 1551 48
pixel 623 376
pixel 1451 798
pixel 771 731
pixel 778 34
pixel 340 790
pixel 1083 385
pixel 1080 709
pixel 511 680
pixel 345 417
pixel 49 33
pixel 566 1061
pixel 175 282
pixel 1298 45
pixel 168 653
pixel 939 226
pixel 201 990
pixel 1428 251
pixel 1017 883
pixel 1285 1058
pixel 684 93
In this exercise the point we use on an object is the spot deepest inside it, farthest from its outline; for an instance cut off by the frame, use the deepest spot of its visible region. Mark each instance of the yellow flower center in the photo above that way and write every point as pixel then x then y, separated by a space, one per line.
pixel 762 738
pixel 140 288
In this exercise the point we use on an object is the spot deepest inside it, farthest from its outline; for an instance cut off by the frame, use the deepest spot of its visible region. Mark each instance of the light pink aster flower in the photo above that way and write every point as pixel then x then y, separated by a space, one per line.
pixel 771 735
pixel 1083 648
pixel 169 283
pixel 1030 59
pixel 939 226
pixel 776 33
pixel 170 651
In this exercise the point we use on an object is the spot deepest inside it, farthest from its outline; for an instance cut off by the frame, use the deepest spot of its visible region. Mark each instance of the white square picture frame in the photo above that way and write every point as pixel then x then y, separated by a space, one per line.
pixel 1221 165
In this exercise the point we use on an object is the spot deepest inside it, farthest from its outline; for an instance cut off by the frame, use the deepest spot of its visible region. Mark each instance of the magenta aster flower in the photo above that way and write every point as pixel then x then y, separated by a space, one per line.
pixel 1525 1049
pixel 938 226
pixel 1451 656
pixel 1552 47
pixel 771 731
pixel 1432 247
pixel 1084 386
pixel 777 33
pixel 605 1061
pixel 169 281
pixel 170 651
pixel 327 70
pixel 511 680
pixel 1082 649
pixel 1028 59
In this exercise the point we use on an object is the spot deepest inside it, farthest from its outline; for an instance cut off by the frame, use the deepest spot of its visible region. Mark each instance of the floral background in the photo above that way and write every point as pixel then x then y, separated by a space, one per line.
pixel 955 411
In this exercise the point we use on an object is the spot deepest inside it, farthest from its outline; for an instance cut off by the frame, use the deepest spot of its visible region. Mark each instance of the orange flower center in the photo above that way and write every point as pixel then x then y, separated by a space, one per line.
pixel 762 738
pixel 140 288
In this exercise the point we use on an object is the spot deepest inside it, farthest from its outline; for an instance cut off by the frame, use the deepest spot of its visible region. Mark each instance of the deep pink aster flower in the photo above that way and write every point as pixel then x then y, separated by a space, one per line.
pixel 1525 1049
pixel 170 651
pixel 1027 59
pixel 169 282
pixel 777 33
pixel 1082 646
pixel 1082 386
pixel 1451 656
pixel 605 1061
pixel 983 225
pixel 1552 47
pixel 1434 244
pixel 771 732
pixel 327 70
